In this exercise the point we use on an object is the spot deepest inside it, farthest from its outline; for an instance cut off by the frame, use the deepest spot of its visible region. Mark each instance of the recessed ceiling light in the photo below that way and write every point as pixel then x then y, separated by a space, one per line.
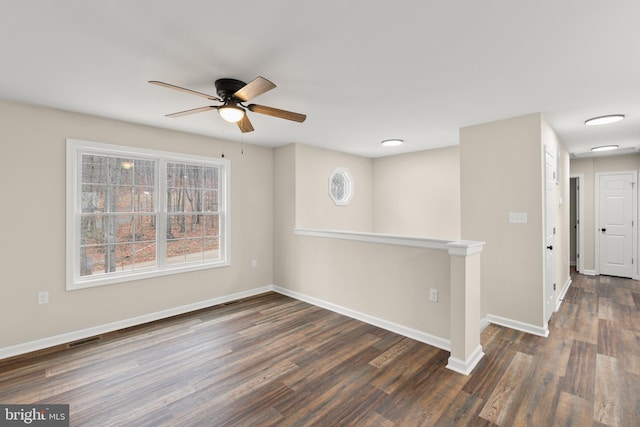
pixel 604 120
pixel 392 142
pixel 605 148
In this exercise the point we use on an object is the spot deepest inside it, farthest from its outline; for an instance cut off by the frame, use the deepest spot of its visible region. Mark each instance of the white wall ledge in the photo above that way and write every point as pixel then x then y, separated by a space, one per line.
pixel 454 247
pixel 465 247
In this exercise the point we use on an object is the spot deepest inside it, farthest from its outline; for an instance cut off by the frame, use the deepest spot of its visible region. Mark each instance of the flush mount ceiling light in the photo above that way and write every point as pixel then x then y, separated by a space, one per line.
pixel 231 113
pixel 392 142
pixel 605 148
pixel 604 120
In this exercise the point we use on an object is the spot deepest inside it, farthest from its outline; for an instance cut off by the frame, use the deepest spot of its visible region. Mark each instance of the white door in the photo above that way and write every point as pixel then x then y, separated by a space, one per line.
pixel 615 225
pixel 549 232
pixel 578 229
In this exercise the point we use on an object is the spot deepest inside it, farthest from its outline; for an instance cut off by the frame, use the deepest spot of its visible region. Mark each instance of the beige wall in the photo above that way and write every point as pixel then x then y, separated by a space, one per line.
pixel 273 191
pixel 388 282
pixel 314 207
pixel 32 255
pixel 501 169
pixel 284 182
pixel 418 194
pixel 415 194
pixel 589 167
pixel 384 281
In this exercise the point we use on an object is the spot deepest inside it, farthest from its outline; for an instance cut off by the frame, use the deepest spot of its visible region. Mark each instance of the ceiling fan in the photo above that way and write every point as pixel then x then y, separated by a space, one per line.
pixel 234 94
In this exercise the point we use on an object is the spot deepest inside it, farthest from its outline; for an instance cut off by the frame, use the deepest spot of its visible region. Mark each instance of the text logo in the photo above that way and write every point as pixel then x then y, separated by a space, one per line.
pixel 34 415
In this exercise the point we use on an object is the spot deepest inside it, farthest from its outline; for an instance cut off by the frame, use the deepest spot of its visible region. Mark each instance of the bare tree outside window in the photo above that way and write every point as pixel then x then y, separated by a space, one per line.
pixel 118 225
pixel 135 213
pixel 192 213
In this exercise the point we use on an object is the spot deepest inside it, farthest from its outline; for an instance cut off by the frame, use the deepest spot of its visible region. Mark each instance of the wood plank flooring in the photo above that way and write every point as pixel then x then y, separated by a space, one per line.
pixel 274 361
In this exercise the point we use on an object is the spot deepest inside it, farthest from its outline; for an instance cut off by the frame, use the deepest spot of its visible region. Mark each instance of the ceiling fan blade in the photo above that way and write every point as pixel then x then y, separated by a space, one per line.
pixel 276 112
pixel 185 90
pixel 192 111
pixel 245 124
pixel 254 88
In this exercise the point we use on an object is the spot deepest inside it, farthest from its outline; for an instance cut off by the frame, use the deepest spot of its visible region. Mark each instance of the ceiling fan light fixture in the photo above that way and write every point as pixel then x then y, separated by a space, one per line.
pixel 231 113
pixel 392 142
pixel 605 148
pixel 604 120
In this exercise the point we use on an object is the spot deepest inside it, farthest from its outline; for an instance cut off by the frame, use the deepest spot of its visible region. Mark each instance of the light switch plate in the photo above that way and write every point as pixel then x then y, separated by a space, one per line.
pixel 517 217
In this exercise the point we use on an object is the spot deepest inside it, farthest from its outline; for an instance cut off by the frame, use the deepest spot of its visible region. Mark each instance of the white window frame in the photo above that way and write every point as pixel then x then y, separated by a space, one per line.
pixel 75 149
pixel 347 187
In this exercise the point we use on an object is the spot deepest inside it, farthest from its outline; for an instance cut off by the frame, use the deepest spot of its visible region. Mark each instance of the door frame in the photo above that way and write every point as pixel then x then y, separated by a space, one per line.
pixel 579 177
pixel 549 259
pixel 634 217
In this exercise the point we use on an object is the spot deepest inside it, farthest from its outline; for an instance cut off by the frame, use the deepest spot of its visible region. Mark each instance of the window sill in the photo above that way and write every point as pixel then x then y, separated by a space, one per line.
pixel 141 275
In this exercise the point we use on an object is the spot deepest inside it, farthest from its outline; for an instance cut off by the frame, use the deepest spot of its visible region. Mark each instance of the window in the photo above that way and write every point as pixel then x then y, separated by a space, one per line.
pixel 135 213
pixel 341 186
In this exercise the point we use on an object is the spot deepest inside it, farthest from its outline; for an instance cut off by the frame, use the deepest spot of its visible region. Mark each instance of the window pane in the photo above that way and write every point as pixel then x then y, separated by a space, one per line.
pixel 124 228
pixel 143 199
pixel 92 231
pixel 124 258
pixel 176 251
pixel 144 255
pixel 176 226
pixel 120 171
pixel 144 173
pixel 176 200
pixel 92 199
pixel 210 201
pixel 107 258
pixel 211 248
pixel 94 169
pixel 193 176
pixel 105 229
pixel 106 198
pixel 145 226
pixel 212 225
pixel 195 226
pixel 210 177
pixel 121 198
pixel 194 250
pixel 194 200
pixel 91 260
pixel 175 175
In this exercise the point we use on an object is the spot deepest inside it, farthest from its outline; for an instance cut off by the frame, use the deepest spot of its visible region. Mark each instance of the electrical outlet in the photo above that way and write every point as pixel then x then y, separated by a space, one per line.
pixel 43 297
pixel 433 295
pixel 254 263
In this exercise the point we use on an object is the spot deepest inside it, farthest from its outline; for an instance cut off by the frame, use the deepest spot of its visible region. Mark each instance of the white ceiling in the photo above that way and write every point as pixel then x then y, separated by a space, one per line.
pixel 362 71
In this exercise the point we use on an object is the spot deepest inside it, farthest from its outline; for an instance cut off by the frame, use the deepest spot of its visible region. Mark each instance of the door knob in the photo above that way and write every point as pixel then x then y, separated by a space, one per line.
pixel 550 247
pixel 603 229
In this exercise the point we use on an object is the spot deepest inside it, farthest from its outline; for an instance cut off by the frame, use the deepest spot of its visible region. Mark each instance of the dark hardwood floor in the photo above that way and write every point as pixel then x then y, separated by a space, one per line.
pixel 274 361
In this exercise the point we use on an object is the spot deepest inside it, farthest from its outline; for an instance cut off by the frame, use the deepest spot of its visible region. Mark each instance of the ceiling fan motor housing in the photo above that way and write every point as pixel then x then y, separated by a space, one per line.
pixel 227 87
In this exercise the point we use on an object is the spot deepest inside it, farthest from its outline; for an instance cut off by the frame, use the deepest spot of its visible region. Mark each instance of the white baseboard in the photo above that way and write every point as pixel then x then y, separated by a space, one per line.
pixel 483 324
pixel 465 367
pixel 520 326
pixel 460 366
pixel 588 272
pixel 424 337
pixel 68 337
